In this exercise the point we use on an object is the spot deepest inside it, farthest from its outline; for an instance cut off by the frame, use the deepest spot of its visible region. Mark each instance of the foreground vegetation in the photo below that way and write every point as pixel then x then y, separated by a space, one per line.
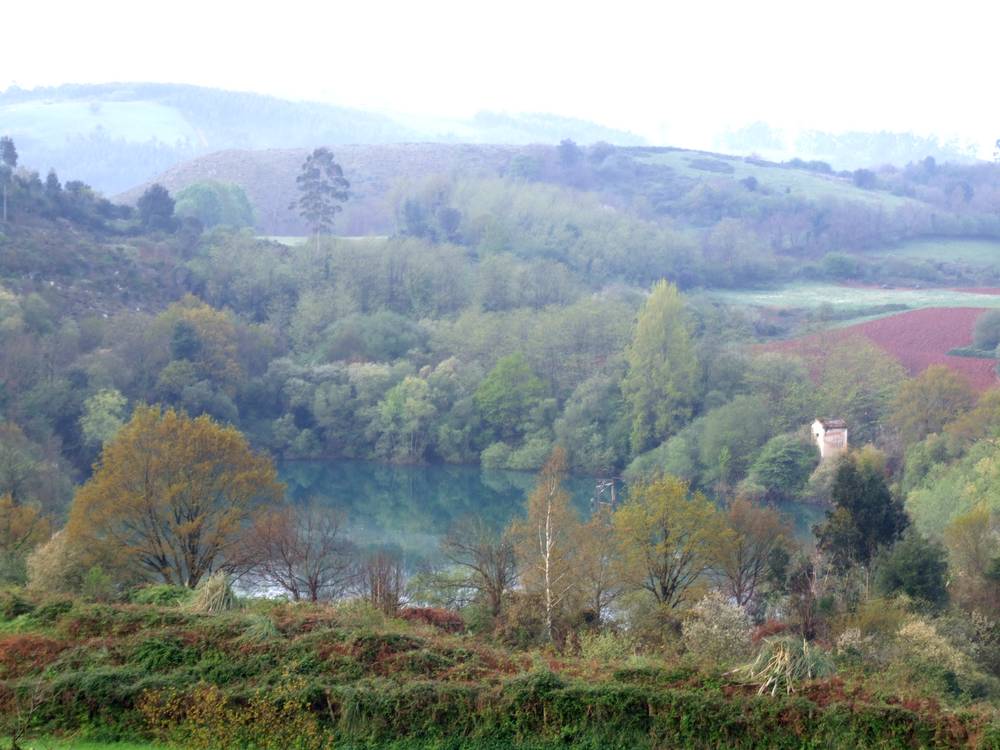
pixel 275 675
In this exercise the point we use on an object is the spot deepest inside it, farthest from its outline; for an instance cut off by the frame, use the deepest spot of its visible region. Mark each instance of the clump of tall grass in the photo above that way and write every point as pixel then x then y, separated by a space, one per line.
pixel 784 663
pixel 259 629
pixel 213 595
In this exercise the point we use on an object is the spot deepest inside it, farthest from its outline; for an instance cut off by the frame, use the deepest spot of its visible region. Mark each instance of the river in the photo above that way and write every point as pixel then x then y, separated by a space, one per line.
pixel 408 508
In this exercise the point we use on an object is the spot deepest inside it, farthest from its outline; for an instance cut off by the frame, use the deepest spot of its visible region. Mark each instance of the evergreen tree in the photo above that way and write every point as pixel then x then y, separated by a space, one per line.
pixel 53 191
pixel 8 152
pixel 322 188
pixel 915 566
pixel 8 161
pixel 865 516
pixel 156 208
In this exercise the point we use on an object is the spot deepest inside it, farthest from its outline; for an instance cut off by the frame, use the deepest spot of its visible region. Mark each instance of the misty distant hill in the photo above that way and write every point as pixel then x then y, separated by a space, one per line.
pixel 658 178
pixel 114 136
pixel 850 150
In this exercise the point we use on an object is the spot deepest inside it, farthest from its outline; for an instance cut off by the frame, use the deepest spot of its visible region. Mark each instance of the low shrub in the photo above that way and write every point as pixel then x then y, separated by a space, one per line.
pixel 370 648
pixel 49 612
pixel 161 595
pixel 443 619
pixel 424 663
pixel 717 632
pixel 208 719
pixel 13 604
pixel 21 655
pixel 226 669
pixel 606 646
pixel 648 674
pixel 162 653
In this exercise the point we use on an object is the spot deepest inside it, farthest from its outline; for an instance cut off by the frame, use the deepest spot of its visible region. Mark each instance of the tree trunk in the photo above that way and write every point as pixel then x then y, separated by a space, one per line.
pixel 547 559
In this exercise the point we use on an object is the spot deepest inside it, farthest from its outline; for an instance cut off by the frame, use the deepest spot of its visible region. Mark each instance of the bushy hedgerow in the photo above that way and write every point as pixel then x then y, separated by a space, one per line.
pixel 310 682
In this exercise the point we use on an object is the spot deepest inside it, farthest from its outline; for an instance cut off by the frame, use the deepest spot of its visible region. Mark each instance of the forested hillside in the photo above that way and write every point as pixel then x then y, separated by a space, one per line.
pixel 648 317
pixel 495 319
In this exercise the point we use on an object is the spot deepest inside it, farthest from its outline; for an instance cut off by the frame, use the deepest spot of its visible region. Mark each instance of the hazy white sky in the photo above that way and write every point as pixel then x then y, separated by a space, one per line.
pixel 671 71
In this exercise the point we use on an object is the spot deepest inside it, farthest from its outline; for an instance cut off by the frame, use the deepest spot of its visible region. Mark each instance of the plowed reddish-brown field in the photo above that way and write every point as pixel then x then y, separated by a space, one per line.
pixel 917 338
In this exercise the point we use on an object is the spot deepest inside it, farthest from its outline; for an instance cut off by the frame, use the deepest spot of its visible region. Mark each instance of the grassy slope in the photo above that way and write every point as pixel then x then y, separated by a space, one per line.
pixel 797 182
pixel 970 252
pixel 373 682
pixel 815 295
pixel 87 272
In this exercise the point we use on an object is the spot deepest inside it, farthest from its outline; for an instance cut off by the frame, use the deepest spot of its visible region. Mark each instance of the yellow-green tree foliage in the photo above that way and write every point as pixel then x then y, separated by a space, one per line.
pixel 927 403
pixel 662 369
pixel 545 541
pixel 981 422
pixel 973 540
pixel 859 383
pixel 954 489
pixel 170 495
pixel 102 416
pixel 668 538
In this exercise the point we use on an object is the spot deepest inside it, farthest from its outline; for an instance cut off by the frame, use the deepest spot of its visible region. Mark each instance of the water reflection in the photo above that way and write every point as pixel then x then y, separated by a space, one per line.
pixel 408 508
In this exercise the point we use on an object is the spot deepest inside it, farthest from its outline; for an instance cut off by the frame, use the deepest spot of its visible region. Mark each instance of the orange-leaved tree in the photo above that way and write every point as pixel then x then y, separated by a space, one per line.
pixel 171 495
pixel 22 528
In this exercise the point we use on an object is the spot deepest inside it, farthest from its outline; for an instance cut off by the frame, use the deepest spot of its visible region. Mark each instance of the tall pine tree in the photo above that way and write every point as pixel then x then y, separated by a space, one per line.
pixel 322 190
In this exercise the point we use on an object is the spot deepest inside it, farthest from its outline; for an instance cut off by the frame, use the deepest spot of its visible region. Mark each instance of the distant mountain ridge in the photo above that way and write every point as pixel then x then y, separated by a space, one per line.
pixel 117 135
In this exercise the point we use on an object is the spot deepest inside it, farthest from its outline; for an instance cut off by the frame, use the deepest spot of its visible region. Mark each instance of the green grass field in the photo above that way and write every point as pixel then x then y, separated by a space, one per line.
pixel 798 182
pixel 812 296
pixel 966 251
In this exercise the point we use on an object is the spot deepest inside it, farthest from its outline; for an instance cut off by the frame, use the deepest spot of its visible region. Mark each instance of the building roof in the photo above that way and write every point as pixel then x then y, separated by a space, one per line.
pixel 832 424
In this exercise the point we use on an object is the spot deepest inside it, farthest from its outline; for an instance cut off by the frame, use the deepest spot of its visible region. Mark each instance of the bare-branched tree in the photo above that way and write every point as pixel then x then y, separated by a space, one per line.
pixel 302 551
pixel 382 580
pixel 486 558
